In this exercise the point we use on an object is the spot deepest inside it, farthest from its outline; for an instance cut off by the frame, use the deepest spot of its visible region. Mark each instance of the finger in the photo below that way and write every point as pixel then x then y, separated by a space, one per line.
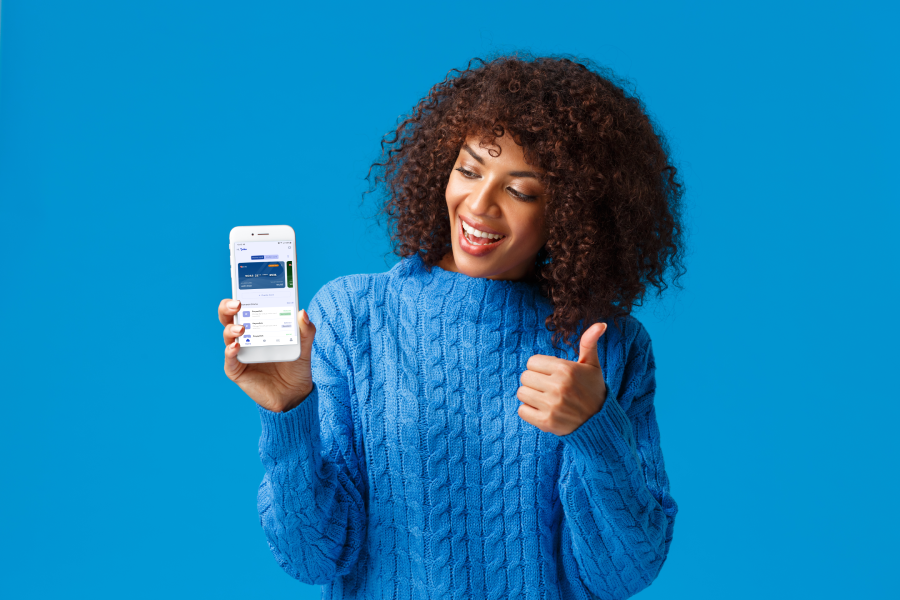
pixel 231 332
pixel 587 354
pixel 536 381
pixel 544 364
pixel 233 367
pixel 530 415
pixel 227 309
pixel 307 335
pixel 532 398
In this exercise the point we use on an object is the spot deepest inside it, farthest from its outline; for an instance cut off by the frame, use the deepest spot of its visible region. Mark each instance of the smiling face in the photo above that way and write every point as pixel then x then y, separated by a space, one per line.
pixel 499 196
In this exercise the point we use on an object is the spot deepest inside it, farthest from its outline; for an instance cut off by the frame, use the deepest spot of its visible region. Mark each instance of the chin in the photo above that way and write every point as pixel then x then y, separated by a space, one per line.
pixel 476 267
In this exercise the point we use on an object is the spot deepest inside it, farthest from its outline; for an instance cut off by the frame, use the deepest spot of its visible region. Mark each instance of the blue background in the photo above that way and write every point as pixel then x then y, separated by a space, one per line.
pixel 132 134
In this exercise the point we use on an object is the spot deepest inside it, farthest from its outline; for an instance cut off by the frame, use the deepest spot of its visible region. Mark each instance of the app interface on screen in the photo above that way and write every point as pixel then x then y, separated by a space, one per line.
pixel 265 281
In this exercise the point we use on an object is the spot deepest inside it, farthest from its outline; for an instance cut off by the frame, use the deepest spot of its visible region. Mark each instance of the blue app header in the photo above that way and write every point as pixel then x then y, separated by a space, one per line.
pixel 260 275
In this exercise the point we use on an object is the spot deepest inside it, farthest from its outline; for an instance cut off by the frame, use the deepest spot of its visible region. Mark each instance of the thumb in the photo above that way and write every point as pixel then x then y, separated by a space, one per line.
pixel 307 335
pixel 588 352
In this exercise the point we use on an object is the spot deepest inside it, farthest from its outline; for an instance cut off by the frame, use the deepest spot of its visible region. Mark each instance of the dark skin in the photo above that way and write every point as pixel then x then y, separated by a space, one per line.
pixel 504 194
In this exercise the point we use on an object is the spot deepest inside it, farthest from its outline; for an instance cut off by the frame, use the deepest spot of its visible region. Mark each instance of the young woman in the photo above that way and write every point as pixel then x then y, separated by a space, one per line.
pixel 478 421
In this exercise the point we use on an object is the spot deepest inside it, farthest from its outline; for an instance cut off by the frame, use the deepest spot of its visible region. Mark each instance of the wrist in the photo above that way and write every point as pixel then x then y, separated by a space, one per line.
pixel 290 406
pixel 294 403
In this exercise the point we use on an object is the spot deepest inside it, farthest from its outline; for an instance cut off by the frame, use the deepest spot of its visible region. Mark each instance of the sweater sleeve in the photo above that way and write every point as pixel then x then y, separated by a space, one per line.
pixel 618 512
pixel 312 498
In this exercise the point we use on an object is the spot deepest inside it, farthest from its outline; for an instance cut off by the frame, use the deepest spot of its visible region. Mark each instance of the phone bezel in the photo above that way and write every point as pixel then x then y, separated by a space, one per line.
pixel 252 233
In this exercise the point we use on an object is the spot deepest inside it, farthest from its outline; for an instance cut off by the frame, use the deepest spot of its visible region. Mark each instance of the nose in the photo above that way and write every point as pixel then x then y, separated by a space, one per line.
pixel 481 200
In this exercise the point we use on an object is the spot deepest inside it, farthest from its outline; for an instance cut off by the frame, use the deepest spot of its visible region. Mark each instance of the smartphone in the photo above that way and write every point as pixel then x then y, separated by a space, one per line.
pixel 262 278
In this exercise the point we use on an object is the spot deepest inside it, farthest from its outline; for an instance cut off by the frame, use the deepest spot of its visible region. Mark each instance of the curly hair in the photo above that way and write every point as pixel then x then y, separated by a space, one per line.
pixel 613 208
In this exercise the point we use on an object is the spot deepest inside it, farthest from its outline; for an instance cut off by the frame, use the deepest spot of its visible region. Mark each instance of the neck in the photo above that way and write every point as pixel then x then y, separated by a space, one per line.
pixel 448 264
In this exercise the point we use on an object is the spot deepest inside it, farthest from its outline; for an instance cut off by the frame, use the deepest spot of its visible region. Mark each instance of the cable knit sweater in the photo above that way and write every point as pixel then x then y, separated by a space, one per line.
pixel 408 473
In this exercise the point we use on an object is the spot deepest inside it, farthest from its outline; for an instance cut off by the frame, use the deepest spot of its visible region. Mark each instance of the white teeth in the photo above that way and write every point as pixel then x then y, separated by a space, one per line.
pixel 477 233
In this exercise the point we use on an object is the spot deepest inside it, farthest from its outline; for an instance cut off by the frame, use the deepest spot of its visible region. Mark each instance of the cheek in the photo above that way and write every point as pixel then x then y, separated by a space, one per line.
pixel 528 227
pixel 454 195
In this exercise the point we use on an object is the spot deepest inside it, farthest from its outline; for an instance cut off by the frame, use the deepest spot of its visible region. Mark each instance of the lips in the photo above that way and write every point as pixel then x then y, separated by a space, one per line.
pixel 475 249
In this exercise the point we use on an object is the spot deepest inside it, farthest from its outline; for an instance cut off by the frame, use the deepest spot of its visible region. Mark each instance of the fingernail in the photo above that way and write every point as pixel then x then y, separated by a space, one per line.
pixel 234 344
pixel 305 316
pixel 236 328
pixel 232 304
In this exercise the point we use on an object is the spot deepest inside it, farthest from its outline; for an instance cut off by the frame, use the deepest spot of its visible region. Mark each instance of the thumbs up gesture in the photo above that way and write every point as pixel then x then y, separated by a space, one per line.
pixel 559 395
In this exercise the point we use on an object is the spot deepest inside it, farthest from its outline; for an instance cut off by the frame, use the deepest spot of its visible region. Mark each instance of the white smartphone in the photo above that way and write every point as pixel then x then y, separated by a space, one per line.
pixel 262 278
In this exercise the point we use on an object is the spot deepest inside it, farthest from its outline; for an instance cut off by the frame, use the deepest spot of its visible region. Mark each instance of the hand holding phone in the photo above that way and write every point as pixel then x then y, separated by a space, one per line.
pixel 276 386
pixel 262 325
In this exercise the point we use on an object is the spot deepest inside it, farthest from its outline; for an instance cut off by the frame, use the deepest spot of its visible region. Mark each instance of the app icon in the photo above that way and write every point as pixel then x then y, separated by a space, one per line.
pixel 246 313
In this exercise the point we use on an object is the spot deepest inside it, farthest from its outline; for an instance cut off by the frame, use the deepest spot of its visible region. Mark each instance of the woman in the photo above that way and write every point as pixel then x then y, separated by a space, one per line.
pixel 434 439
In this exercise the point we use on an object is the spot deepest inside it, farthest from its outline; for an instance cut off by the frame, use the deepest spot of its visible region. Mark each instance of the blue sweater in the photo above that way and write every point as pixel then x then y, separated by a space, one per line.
pixel 408 473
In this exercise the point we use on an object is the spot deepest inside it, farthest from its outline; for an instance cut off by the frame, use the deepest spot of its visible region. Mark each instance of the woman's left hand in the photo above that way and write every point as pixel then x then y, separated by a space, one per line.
pixel 559 395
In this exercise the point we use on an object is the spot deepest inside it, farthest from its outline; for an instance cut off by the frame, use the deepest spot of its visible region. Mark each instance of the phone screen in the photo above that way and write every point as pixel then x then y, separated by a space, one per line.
pixel 265 282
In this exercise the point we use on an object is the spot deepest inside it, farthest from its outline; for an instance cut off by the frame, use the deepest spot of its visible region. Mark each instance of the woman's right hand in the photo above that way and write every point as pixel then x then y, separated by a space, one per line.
pixel 277 386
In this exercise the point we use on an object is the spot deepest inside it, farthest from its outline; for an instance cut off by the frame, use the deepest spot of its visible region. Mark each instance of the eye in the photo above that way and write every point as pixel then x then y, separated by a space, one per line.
pixel 520 195
pixel 466 173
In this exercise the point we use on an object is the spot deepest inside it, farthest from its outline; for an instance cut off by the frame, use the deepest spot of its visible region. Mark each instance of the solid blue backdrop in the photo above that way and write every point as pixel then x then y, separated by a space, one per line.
pixel 134 136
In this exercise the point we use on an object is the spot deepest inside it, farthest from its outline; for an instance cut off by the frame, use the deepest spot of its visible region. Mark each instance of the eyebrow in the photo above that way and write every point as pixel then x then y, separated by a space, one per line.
pixel 472 152
pixel 513 173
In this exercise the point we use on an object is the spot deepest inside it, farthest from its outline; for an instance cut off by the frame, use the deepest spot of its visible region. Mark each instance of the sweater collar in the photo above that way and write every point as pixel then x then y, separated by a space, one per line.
pixel 492 291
